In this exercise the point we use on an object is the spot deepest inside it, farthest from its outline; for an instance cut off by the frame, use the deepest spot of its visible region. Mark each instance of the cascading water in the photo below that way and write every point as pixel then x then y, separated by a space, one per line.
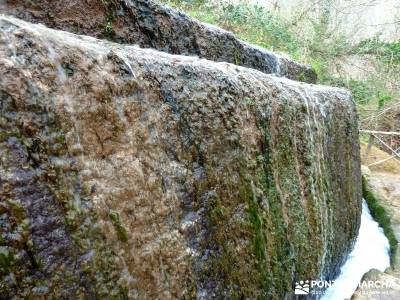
pixel 130 157
pixel 371 251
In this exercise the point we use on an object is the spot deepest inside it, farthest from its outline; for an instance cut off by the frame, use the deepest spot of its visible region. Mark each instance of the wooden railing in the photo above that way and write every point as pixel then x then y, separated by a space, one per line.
pixel 374 136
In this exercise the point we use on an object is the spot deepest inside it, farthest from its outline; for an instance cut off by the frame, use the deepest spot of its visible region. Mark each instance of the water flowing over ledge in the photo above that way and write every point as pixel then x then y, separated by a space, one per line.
pixel 166 26
pixel 371 251
pixel 146 175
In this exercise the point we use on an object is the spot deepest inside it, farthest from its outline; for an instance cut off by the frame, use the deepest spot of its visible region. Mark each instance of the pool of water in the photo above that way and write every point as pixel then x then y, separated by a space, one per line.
pixel 371 251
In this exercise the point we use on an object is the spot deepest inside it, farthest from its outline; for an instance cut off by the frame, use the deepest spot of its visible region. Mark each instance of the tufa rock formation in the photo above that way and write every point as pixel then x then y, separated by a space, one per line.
pixel 129 173
pixel 152 25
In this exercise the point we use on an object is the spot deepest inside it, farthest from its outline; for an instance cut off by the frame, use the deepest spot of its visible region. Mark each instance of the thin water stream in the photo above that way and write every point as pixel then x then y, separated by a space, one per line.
pixel 371 251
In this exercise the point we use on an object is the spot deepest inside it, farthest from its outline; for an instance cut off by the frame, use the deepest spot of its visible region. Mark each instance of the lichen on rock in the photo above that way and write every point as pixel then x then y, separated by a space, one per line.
pixel 133 173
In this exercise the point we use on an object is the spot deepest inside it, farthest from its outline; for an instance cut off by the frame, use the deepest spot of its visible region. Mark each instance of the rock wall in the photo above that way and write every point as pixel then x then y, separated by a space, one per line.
pixel 152 25
pixel 133 173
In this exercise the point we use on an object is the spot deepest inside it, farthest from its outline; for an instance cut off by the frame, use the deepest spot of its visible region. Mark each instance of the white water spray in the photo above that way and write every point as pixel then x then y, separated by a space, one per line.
pixel 371 251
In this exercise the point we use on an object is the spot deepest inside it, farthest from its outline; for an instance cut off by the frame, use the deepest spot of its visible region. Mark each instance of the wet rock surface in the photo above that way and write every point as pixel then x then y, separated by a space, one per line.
pixel 152 25
pixel 138 174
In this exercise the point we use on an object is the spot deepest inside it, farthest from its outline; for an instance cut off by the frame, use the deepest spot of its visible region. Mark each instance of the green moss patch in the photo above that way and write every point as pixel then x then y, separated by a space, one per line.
pixel 119 226
pixel 379 213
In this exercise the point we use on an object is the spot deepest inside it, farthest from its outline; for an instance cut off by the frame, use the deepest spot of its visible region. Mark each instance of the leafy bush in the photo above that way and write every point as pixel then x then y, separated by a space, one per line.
pixel 387 52
pixel 360 90
pixel 257 25
pixel 383 98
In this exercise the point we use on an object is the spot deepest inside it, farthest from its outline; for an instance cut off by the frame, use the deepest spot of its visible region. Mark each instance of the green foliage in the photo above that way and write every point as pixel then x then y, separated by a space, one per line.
pixel 366 93
pixel 383 97
pixel 380 215
pixel 319 66
pixel 257 25
pixel 196 3
pixel 360 90
pixel 387 52
pixel 392 52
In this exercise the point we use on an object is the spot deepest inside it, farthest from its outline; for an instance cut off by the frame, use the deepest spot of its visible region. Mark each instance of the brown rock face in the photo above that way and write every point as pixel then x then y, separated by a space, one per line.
pixel 131 173
pixel 152 25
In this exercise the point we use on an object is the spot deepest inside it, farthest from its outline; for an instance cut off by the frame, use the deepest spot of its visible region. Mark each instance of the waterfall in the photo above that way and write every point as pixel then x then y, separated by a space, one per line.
pixel 371 251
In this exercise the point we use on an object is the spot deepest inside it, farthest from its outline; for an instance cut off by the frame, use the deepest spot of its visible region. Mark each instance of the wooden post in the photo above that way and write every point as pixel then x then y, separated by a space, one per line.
pixel 370 141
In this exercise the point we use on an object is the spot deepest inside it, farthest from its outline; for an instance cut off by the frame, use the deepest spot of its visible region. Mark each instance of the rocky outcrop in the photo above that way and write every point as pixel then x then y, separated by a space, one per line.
pixel 387 286
pixel 137 174
pixel 152 25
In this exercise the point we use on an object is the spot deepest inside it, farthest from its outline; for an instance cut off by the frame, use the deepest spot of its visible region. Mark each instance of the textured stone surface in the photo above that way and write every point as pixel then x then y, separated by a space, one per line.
pixel 152 25
pixel 390 290
pixel 135 173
